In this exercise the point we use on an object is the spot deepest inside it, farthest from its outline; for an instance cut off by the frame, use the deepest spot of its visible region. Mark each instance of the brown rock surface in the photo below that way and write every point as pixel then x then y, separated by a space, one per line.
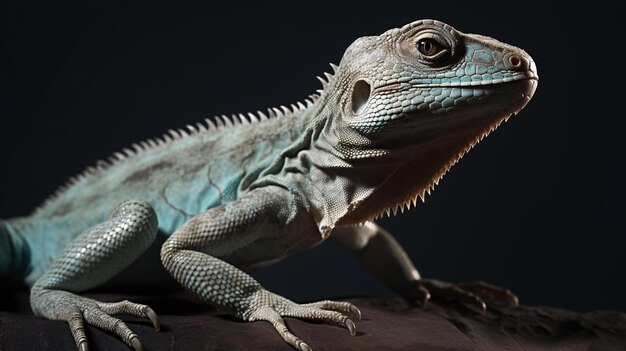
pixel 388 324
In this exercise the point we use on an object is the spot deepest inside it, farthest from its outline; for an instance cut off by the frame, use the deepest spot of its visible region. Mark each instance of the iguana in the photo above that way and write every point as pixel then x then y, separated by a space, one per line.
pixel 233 193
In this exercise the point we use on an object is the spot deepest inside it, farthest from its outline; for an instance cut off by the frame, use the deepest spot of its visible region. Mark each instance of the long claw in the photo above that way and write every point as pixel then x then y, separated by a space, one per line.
pixel 83 347
pixel 514 300
pixel 136 344
pixel 511 298
pixel 351 327
pixel 356 312
pixel 474 300
pixel 154 318
pixel 483 307
pixel 304 347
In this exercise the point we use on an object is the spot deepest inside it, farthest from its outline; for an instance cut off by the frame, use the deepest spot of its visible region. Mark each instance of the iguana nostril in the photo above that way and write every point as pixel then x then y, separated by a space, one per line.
pixel 515 61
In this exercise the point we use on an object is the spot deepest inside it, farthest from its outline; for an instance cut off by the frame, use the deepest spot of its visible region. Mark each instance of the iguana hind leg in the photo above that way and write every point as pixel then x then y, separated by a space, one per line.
pixel 383 256
pixel 190 255
pixel 89 260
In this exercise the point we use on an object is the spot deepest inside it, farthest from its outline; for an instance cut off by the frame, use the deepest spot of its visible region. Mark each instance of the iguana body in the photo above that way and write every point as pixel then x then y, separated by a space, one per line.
pixel 245 191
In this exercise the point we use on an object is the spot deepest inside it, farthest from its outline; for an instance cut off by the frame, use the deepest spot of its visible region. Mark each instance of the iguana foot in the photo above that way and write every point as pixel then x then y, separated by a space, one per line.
pixel 271 307
pixel 472 294
pixel 77 310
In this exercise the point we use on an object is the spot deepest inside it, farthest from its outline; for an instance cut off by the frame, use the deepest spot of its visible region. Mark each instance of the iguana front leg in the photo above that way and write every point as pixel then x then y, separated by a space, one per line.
pixel 191 256
pixel 92 258
pixel 383 256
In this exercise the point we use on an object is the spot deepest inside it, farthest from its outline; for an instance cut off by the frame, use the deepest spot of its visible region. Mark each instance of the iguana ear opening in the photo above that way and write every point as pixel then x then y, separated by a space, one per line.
pixel 360 96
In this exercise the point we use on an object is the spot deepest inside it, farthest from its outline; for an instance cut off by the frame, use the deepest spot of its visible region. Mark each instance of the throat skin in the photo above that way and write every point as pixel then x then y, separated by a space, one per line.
pixel 365 190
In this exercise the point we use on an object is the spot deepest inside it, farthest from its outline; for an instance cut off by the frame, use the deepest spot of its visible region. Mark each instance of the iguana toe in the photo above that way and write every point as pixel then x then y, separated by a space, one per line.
pixel 491 292
pixel 338 306
pixel 423 296
pixel 470 294
pixel 272 307
pixel 78 311
pixel 355 312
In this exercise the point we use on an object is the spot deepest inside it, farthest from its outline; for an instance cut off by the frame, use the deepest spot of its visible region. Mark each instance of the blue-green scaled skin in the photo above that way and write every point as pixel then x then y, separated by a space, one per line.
pixel 204 204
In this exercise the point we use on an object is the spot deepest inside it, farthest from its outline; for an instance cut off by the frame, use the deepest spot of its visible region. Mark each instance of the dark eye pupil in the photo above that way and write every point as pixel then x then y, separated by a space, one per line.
pixel 428 47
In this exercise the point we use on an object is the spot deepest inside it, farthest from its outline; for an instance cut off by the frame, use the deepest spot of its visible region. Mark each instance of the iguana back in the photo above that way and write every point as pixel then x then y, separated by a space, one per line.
pixel 181 174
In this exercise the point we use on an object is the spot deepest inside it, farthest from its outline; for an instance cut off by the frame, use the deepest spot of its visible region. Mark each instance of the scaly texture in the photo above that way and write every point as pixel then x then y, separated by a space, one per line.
pixel 247 190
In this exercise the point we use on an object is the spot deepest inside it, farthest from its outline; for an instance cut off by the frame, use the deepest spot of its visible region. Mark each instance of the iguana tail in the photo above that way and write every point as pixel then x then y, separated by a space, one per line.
pixel 14 255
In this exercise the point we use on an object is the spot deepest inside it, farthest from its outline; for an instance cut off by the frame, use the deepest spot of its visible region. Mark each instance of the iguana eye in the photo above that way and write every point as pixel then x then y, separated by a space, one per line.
pixel 432 48
pixel 428 47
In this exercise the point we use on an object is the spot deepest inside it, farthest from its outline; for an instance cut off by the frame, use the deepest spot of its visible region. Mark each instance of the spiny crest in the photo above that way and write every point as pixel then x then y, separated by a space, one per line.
pixel 209 125
pixel 410 202
pixel 327 79
pixel 412 199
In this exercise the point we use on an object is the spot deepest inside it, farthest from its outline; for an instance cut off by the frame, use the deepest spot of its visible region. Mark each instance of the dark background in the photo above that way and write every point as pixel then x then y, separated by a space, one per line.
pixel 539 207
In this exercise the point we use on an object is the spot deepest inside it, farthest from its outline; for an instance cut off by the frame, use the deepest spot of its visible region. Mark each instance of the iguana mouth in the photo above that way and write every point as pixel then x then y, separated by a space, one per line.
pixel 485 83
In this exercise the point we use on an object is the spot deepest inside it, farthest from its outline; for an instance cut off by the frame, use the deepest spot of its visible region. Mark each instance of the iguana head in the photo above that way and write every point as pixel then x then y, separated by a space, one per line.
pixel 412 101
